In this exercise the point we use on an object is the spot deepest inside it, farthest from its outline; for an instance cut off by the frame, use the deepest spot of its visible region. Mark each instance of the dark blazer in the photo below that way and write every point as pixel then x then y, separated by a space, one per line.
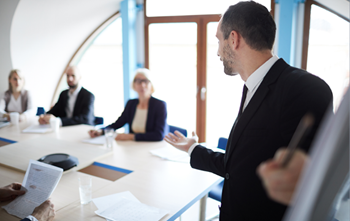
pixel 156 125
pixel 267 124
pixel 25 219
pixel 83 112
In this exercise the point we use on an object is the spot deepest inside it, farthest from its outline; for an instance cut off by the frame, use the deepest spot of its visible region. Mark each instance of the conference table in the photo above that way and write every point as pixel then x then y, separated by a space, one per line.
pixel 164 184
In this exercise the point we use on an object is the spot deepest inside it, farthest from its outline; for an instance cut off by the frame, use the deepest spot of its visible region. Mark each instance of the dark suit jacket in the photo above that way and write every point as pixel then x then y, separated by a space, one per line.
pixel 156 125
pixel 83 112
pixel 267 123
pixel 25 219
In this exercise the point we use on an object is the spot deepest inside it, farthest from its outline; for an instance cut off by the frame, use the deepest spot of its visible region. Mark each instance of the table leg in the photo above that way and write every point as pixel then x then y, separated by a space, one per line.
pixel 202 207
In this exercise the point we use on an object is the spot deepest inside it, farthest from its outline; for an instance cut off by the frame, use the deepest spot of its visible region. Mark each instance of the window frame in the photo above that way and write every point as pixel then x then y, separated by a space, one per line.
pixel 306 31
pixel 202 22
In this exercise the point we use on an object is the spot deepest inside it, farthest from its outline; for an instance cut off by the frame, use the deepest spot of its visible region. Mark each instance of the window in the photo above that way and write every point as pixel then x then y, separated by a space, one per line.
pixel 223 95
pixel 193 7
pixel 101 66
pixel 184 47
pixel 328 50
pixel 173 60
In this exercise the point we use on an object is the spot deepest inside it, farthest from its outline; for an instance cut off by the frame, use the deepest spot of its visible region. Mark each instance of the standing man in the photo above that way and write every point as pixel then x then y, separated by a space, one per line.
pixel 75 105
pixel 275 98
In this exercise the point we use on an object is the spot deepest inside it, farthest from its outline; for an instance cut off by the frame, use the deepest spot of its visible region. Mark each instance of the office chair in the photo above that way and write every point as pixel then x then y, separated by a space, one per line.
pixel 40 111
pixel 181 130
pixel 98 122
pixel 216 192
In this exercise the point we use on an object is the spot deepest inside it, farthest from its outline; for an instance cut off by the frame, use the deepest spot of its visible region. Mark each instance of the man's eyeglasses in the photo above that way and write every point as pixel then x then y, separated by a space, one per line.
pixel 140 81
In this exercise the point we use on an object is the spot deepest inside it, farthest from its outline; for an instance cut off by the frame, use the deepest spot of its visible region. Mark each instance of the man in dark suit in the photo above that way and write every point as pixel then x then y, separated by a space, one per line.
pixel 75 105
pixel 44 212
pixel 275 98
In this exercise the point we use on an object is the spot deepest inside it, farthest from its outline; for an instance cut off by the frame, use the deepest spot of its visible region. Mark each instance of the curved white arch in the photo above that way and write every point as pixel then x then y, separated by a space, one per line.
pixel 46 34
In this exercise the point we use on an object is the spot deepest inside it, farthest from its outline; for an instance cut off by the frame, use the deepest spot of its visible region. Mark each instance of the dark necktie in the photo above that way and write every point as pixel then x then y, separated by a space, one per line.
pixel 244 95
pixel 228 146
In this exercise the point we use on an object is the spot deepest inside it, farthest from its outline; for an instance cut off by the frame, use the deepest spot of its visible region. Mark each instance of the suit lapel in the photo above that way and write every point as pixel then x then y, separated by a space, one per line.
pixel 254 104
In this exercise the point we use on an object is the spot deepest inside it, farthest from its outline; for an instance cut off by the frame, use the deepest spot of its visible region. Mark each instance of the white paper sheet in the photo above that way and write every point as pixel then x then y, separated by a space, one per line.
pixel 39 129
pixel 172 154
pixel 96 140
pixel 129 210
pixel 106 201
pixel 40 181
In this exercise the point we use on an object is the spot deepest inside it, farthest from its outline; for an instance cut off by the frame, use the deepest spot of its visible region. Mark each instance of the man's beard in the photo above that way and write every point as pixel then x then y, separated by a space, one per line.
pixel 228 61
pixel 73 86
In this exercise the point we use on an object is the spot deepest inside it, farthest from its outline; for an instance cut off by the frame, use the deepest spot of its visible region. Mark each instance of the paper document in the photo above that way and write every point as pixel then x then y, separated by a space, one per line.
pixel 40 181
pixel 130 210
pixel 96 140
pixel 172 154
pixel 106 201
pixel 39 129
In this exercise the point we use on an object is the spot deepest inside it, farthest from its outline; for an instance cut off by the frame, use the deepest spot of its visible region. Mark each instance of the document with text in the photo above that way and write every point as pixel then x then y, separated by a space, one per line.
pixel 131 210
pixel 38 129
pixel 39 182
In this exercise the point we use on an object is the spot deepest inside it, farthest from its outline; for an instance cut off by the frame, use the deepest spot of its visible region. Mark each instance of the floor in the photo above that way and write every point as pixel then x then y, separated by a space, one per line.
pixel 192 214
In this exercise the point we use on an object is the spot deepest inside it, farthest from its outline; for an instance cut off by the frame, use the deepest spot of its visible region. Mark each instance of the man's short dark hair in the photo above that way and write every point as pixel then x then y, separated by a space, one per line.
pixel 251 20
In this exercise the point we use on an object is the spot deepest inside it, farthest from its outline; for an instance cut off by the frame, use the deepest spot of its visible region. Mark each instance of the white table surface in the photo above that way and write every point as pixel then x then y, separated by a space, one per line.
pixel 172 186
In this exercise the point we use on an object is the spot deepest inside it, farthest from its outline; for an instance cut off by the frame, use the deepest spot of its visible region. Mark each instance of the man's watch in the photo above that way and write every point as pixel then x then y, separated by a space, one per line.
pixel 31 218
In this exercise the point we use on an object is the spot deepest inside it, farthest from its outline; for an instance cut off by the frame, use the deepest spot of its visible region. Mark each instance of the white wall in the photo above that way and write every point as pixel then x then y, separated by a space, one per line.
pixel 7 10
pixel 43 36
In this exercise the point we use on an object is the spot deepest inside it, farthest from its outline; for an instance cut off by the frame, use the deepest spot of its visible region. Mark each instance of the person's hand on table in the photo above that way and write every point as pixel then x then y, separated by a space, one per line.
pixel 181 142
pixel 22 117
pixel 7 116
pixel 44 212
pixel 45 118
pixel 11 191
pixel 124 137
pixel 280 183
pixel 95 133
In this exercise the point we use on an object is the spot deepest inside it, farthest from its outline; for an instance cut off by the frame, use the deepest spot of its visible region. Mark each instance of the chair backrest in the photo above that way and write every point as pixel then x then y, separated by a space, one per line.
pixel 98 120
pixel 40 111
pixel 222 143
pixel 181 130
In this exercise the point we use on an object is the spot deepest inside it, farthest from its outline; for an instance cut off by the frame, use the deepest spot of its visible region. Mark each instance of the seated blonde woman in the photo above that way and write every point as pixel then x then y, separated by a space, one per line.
pixel 16 98
pixel 145 115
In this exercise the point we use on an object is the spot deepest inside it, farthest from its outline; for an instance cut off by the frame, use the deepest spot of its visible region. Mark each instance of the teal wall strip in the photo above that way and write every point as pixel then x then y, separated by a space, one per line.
pixel 128 11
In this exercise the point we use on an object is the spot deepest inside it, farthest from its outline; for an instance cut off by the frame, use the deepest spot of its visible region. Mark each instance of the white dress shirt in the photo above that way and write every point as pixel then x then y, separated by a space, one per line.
pixel 31 218
pixel 72 98
pixel 253 82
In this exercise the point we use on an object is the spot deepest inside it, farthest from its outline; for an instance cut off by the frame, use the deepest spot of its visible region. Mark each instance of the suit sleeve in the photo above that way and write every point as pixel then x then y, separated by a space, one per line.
pixel 309 94
pixel 25 219
pixel 86 115
pixel 160 126
pixel 208 160
pixel 123 119
pixel 55 110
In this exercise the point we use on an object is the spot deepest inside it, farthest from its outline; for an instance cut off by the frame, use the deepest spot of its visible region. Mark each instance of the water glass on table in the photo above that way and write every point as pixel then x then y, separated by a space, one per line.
pixel 109 134
pixel 14 116
pixel 55 124
pixel 85 189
